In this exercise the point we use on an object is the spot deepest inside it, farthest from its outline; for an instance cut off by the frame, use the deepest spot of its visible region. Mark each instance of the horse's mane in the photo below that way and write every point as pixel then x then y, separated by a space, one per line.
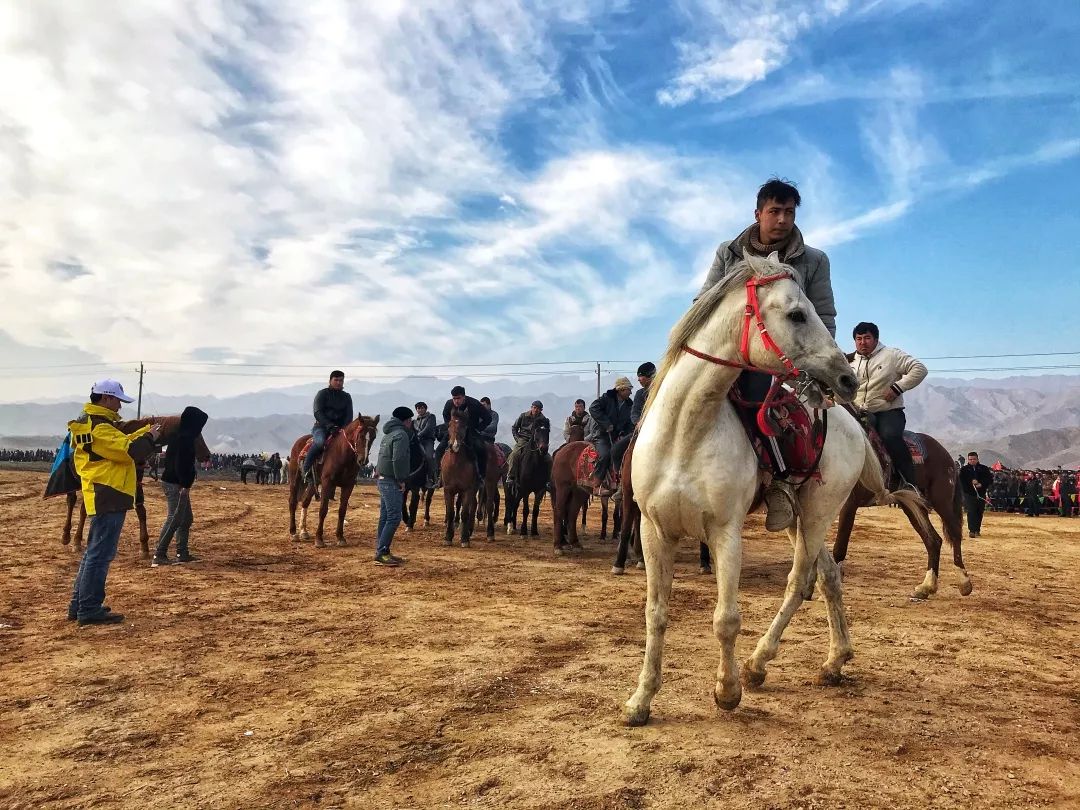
pixel 702 309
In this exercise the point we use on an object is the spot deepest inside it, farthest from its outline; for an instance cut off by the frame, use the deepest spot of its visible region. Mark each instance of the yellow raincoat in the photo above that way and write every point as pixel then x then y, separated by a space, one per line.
pixel 105 457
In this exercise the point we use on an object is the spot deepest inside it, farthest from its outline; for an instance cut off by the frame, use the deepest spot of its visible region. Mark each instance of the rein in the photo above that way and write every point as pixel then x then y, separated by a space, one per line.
pixel 752 314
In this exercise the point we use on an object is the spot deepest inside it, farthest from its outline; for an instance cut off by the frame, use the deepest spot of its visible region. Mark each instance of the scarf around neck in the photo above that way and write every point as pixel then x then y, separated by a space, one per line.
pixel 788 249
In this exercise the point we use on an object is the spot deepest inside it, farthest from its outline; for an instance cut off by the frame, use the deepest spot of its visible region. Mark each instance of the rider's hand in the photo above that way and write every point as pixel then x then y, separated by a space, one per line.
pixel 890 395
pixel 155 431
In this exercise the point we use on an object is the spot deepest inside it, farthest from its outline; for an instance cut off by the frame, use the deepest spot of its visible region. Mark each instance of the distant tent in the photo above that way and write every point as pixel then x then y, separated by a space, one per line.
pixel 997 466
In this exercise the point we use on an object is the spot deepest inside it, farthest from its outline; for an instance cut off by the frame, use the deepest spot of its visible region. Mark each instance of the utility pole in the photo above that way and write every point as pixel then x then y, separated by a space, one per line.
pixel 598 381
pixel 138 407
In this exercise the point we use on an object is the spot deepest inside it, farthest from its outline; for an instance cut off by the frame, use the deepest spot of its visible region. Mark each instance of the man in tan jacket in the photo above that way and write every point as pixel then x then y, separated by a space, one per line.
pixel 884 374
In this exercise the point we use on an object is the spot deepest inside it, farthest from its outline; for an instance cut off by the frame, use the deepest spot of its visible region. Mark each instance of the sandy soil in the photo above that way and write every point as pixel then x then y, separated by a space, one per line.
pixel 273 674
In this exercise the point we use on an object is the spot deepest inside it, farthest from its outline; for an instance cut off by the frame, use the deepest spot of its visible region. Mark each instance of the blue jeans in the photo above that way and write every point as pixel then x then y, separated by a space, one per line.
pixel 318 442
pixel 88 595
pixel 391 499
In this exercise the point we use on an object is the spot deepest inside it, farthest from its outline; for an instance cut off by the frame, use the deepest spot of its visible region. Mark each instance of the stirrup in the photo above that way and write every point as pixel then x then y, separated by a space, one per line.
pixel 781 505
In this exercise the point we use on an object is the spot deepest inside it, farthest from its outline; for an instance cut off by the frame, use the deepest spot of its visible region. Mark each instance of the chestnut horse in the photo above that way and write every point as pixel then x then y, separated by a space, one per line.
pixel 568 496
pixel 459 479
pixel 937 478
pixel 534 472
pixel 169 426
pixel 345 452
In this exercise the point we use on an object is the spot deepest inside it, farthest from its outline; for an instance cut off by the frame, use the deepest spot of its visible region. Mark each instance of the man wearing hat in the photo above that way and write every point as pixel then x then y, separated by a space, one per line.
pixel 610 414
pixel 478 419
pixel 645 374
pixel 523 433
pixel 393 471
pixel 104 458
pixel 333 410
pixel 424 423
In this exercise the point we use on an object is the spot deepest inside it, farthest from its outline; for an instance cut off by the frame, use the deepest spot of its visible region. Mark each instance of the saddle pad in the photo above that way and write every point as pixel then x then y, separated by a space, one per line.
pixel 500 456
pixel 915 445
pixel 586 466
pixel 800 436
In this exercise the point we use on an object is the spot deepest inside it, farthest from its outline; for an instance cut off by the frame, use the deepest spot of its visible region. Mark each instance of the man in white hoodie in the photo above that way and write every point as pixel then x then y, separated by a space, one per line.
pixel 884 374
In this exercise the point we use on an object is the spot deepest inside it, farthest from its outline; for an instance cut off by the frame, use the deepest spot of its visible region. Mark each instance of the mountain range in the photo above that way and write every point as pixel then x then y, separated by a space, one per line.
pixel 1024 421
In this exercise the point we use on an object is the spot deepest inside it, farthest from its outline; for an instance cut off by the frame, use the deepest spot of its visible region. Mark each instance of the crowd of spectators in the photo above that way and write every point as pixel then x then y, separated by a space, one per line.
pixel 1035 492
pixel 27 455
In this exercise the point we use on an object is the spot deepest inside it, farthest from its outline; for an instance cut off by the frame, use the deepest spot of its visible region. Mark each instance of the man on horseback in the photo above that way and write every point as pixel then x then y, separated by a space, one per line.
pixel 478 419
pixel 579 417
pixel 333 410
pixel 610 414
pixel 493 426
pixel 884 374
pixel 645 374
pixel 522 431
pixel 774 230
pixel 424 424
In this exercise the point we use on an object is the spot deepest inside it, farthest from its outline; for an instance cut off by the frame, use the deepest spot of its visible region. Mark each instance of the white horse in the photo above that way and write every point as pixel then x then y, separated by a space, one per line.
pixel 696 475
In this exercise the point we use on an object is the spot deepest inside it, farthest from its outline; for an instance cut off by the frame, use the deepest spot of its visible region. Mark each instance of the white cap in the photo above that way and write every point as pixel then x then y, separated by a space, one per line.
pixel 111 388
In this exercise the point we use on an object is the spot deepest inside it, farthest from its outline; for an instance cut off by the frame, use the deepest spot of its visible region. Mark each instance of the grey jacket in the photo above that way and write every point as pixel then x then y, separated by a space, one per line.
pixel 641 396
pixel 811 269
pixel 492 426
pixel 425 429
pixel 394 451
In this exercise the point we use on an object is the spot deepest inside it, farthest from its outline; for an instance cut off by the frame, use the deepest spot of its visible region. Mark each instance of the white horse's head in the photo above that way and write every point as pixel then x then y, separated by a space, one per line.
pixel 716 321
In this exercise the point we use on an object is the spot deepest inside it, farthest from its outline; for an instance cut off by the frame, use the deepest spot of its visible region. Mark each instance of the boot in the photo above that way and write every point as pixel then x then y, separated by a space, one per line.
pixel 780 502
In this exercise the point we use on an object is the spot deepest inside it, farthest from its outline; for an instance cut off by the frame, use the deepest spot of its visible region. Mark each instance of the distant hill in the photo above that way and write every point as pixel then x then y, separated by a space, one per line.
pixel 1039 449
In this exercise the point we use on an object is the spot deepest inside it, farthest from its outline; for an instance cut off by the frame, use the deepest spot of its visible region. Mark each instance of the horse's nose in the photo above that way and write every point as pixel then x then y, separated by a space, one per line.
pixel 847 385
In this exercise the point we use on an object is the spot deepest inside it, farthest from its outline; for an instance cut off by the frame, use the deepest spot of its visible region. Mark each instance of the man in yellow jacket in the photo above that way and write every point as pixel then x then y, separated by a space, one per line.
pixel 104 458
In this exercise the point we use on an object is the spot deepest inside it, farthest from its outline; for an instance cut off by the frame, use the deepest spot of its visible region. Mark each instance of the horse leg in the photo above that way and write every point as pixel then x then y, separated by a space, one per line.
pixel 468 516
pixel 79 534
pixel 294 496
pixel 626 532
pixel 327 489
pixel 932 541
pixel 510 516
pixel 604 503
pixel 726 542
pixel 449 498
pixel 308 495
pixel 704 560
pixel 427 506
pixel 492 496
pixel 538 498
pixel 71 499
pixel 843 530
pixel 144 532
pixel 577 498
pixel 343 506
pixel 951 524
pixel 798 583
pixel 840 651
pixel 659 572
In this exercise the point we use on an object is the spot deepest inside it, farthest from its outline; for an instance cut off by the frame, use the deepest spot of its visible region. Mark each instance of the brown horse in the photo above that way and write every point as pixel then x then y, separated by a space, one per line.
pixel 568 496
pixel 345 452
pixel 534 472
pixel 459 479
pixel 169 426
pixel 937 478
pixel 488 498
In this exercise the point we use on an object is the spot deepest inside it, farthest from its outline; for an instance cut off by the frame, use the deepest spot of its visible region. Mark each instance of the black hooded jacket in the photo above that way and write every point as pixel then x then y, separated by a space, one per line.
pixel 180 454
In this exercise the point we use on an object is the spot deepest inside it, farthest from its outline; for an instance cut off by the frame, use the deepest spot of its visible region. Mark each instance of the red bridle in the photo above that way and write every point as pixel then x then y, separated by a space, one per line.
pixel 753 314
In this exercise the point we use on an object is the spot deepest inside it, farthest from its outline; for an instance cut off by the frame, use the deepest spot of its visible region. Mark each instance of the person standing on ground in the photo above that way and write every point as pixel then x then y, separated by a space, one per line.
pixel 104 458
pixel 177 478
pixel 393 470
pixel 975 481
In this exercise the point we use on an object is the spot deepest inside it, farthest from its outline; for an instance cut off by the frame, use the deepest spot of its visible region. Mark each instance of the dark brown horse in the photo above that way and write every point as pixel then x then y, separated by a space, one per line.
pixel 534 472
pixel 488 498
pixel 169 426
pixel 416 486
pixel 936 477
pixel 568 495
pixel 345 452
pixel 459 479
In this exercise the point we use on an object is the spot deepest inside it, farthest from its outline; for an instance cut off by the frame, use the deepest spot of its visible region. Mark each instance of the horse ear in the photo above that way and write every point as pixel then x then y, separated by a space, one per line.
pixel 752 261
pixel 774 258
pixel 375 421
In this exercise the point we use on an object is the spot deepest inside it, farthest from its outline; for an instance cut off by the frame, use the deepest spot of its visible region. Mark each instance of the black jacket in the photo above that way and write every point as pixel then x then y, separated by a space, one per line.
pixel 526 423
pixel 332 409
pixel 609 413
pixel 977 472
pixel 479 416
pixel 180 454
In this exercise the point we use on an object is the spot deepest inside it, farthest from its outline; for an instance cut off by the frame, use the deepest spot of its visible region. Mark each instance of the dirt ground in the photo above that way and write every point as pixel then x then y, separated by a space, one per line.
pixel 274 674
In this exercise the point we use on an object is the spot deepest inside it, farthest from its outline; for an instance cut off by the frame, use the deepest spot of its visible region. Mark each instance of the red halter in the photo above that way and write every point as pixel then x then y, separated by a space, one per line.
pixel 753 313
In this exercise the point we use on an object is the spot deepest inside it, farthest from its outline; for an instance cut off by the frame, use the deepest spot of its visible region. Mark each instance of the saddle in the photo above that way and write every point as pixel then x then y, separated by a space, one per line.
pixel 799 434
pixel 500 455
pixel 915 447
pixel 319 461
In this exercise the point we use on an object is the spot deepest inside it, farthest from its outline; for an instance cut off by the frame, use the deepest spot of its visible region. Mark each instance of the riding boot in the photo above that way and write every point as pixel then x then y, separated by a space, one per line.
pixel 781 504
pixel 905 468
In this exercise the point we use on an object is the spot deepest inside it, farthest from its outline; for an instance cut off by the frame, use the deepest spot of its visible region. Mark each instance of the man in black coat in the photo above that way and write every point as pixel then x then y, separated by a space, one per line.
pixel 424 425
pixel 333 410
pixel 177 478
pixel 478 419
pixel 975 481
pixel 610 414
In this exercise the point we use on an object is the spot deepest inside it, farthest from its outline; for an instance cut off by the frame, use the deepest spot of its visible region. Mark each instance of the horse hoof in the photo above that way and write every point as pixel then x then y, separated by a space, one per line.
pixel 922 592
pixel 464 543
pixel 727 701
pixel 559 552
pixel 705 569
pixel 320 544
pixel 828 677
pixel 751 678
pixel 618 570
pixel 636 716
pixel 448 543
pixel 342 542
pixel 534 533
pixel 640 565
pixel 966 587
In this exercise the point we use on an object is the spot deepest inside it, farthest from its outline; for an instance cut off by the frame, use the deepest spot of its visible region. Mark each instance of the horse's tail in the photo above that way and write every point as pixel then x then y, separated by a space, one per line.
pixel 872 478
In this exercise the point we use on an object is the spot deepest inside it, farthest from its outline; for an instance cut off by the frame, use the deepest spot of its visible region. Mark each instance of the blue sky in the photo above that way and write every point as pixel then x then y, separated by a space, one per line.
pixel 467 182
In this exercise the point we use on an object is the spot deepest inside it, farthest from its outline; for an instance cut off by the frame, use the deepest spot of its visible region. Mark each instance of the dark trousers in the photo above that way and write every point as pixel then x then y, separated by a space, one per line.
pixel 619 450
pixel 178 523
pixel 1066 506
pixel 603 446
pixel 88 594
pixel 890 427
pixel 318 442
pixel 1032 507
pixel 974 506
